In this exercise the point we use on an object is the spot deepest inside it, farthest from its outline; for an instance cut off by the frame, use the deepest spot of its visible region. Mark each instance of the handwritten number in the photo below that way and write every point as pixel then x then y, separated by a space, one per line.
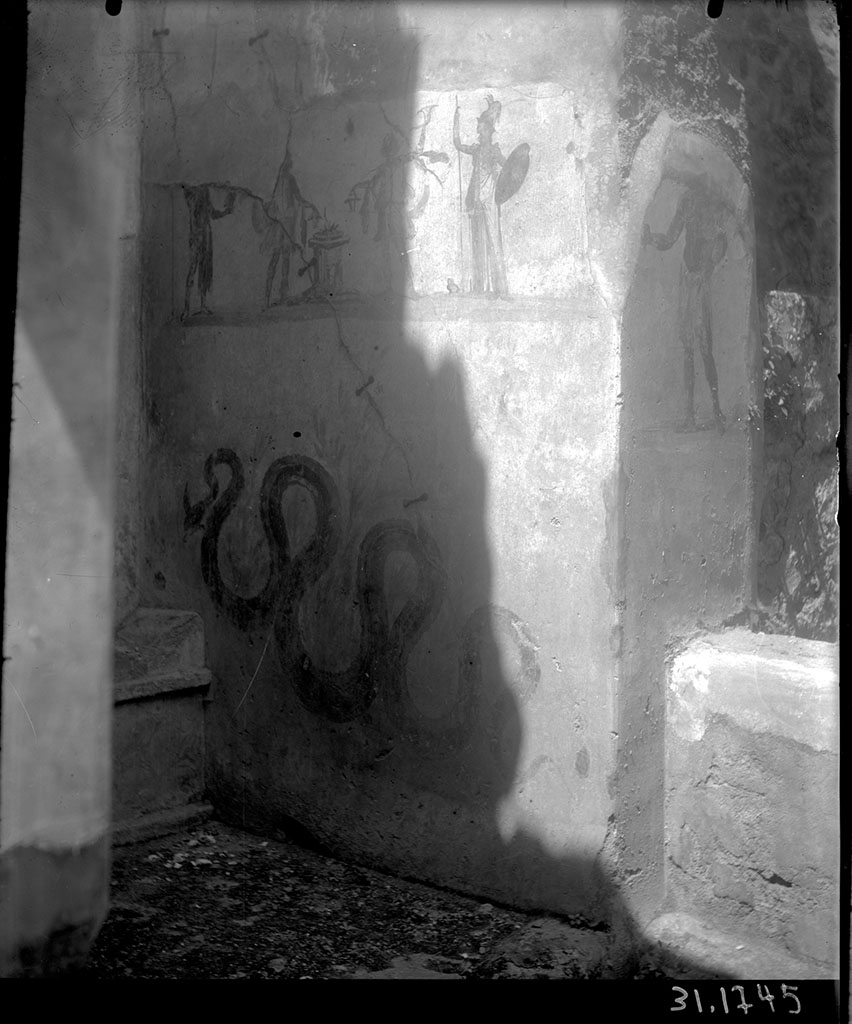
pixel 680 999
pixel 785 994
pixel 768 998
pixel 744 1006
pixel 763 993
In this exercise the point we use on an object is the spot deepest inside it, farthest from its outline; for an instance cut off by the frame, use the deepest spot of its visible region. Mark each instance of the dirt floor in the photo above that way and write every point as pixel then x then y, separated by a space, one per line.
pixel 214 902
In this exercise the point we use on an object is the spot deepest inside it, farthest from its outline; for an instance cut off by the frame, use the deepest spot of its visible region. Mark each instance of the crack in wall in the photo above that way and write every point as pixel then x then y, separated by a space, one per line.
pixel 158 35
pixel 371 401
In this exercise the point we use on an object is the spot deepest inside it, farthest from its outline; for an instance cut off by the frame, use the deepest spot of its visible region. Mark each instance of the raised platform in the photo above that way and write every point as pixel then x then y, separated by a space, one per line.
pixel 158 732
pixel 684 947
pixel 752 815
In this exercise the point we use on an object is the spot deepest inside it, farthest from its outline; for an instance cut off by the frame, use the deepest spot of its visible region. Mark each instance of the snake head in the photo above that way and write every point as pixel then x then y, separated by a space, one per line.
pixel 193 515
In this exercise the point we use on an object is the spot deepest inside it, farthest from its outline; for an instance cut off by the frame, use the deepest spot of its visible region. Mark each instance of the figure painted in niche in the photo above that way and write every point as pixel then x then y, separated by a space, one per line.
pixel 287 231
pixel 698 218
pixel 202 213
pixel 493 180
pixel 398 194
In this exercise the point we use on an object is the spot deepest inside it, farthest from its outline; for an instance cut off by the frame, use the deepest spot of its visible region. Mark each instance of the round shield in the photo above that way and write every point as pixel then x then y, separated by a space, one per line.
pixel 512 173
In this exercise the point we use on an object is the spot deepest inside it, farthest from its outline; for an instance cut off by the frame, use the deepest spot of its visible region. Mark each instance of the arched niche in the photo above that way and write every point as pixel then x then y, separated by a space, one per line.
pixel 688 491
pixel 667 301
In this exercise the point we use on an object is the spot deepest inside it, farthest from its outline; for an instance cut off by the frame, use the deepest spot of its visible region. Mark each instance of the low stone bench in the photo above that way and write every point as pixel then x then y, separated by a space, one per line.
pixel 158 730
pixel 752 810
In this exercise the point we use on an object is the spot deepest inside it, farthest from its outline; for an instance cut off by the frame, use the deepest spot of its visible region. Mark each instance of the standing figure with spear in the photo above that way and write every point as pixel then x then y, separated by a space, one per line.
pixel 488 267
pixel 287 229
pixel 493 179
pixel 395 194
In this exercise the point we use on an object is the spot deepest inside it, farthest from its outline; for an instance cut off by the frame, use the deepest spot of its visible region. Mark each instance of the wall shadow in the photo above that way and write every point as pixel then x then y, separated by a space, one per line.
pixel 72 178
pixel 791 111
pixel 336 535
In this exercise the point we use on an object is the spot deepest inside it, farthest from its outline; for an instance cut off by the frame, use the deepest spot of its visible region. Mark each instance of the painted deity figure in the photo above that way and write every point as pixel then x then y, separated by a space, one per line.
pixel 697 218
pixel 398 194
pixel 287 230
pixel 394 224
pixel 202 213
pixel 488 268
pixel 385 192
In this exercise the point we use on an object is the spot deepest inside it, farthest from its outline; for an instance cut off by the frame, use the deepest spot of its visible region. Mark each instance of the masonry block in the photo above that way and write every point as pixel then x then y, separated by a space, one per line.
pixel 158 726
pixel 752 777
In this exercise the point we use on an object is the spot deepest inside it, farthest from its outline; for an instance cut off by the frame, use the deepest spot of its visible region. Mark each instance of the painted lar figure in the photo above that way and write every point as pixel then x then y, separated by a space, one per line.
pixel 394 222
pixel 202 213
pixel 697 217
pixel 397 192
pixel 287 230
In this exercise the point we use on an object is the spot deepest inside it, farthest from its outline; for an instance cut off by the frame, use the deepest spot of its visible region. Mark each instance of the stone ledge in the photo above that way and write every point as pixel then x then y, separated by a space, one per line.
pixel 781 685
pixel 751 819
pixel 161 685
pixel 686 947
pixel 160 823
pixel 584 303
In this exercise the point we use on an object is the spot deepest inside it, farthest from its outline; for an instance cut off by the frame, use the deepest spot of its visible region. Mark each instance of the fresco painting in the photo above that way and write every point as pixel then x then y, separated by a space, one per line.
pixel 493 180
pixel 290 217
pixel 201 213
pixel 401 209
pixel 697 218
pixel 394 196
pixel 377 673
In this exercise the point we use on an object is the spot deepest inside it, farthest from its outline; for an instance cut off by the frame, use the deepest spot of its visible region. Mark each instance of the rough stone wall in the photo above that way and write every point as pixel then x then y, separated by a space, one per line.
pixel 798 581
pixel 761 81
pixel 751 777
pixel 750 845
pixel 787 59
pixel 672 64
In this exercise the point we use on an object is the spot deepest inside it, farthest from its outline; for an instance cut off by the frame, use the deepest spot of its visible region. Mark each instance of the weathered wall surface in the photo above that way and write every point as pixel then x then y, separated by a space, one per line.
pixel 426 685
pixel 690 429
pixel 121 116
pixel 379 475
pixel 687 473
pixel 787 59
pixel 57 692
pixel 386 366
pixel 752 777
pixel 761 83
pixel 798 581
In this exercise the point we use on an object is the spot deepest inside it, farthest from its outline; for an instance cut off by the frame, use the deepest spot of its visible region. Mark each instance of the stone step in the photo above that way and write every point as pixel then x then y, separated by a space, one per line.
pixel 683 946
pixel 160 823
pixel 158 725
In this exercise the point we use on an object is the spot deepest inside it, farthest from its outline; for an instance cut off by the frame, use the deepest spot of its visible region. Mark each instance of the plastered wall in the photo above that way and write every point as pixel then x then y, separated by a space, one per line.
pixel 392 479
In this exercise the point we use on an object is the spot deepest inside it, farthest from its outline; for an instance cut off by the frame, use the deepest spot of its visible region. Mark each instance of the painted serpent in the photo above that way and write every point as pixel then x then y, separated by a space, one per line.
pixel 383 646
